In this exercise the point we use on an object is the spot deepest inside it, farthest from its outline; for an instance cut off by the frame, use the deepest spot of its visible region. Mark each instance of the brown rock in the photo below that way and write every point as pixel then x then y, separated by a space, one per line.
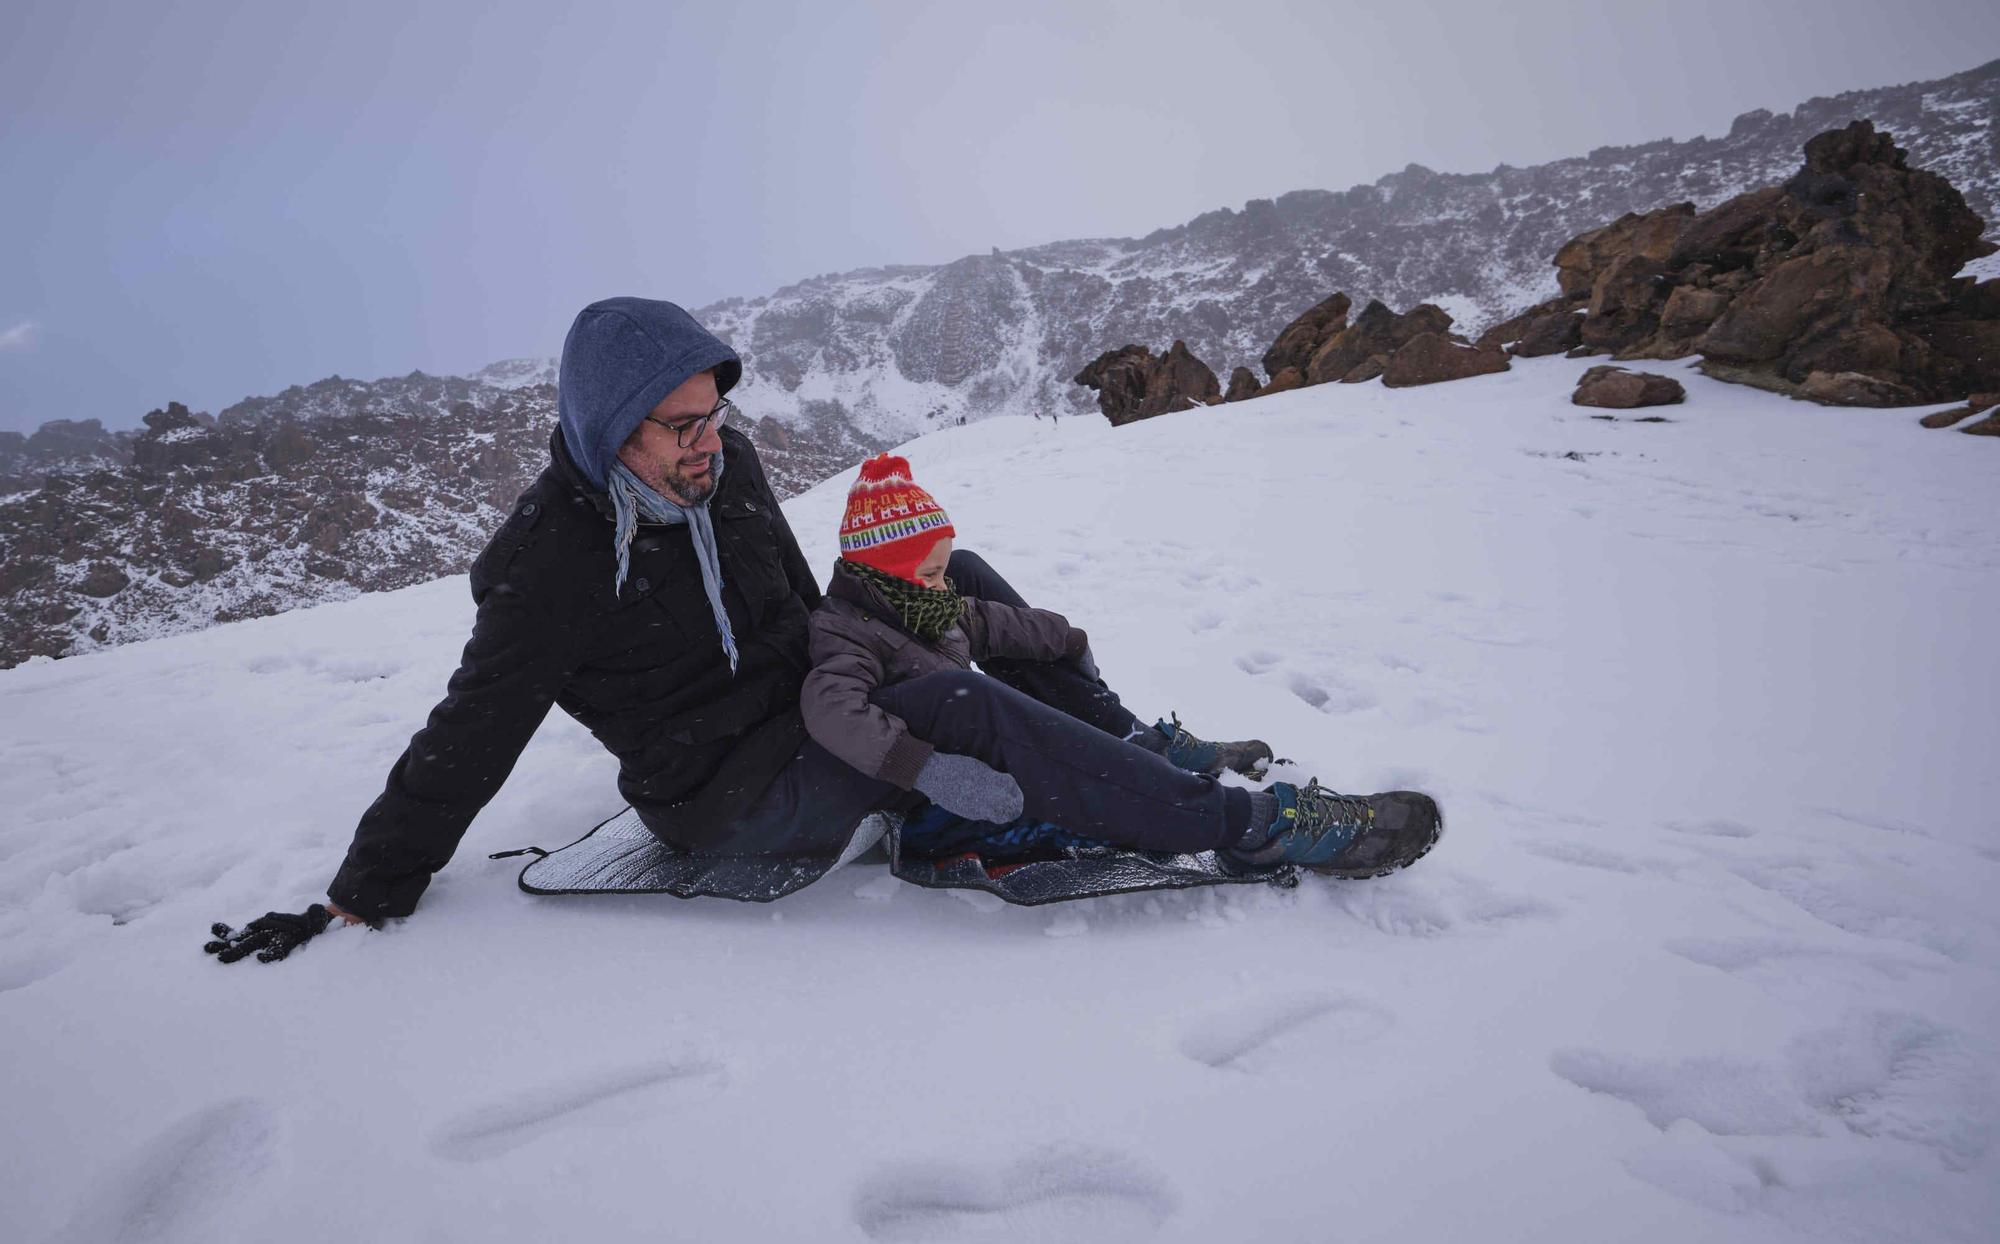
pixel 1431 358
pixel 1729 235
pixel 1619 389
pixel 104 579
pixel 1989 426
pixel 1552 333
pixel 1131 384
pixel 1509 331
pixel 209 563
pixel 1690 310
pixel 1960 346
pixel 1945 418
pixel 1367 369
pixel 1303 337
pixel 1852 388
pixel 1846 272
pixel 1284 381
pixel 1242 385
pixel 1377 330
pixel 1586 257
pixel 289 447
pixel 1763 321
pixel 1626 302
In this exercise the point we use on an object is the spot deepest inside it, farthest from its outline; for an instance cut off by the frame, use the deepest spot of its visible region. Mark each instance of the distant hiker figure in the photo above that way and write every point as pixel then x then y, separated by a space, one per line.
pixel 648 584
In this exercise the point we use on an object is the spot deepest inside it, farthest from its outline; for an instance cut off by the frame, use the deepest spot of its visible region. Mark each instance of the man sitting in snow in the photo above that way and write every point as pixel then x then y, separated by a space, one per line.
pixel 649 585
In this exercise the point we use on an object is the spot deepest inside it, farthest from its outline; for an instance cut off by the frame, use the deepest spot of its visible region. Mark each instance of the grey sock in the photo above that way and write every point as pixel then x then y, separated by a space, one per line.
pixel 1263 813
pixel 1150 738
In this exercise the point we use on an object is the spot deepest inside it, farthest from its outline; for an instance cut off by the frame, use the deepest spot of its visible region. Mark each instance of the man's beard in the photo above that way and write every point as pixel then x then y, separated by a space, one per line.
pixel 680 489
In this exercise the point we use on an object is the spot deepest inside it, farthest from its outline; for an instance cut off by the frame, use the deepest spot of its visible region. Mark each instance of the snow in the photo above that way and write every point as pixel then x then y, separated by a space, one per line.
pixel 1708 951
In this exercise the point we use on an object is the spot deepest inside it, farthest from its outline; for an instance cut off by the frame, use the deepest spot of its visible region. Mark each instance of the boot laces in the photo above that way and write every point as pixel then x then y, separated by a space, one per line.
pixel 1329 809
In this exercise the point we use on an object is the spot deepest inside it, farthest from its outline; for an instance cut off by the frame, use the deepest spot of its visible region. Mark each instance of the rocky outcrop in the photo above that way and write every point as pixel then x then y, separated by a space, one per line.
pixel 1304 337
pixel 1978 403
pixel 1321 346
pixel 1132 384
pixel 1362 350
pixel 65 446
pixel 1839 286
pixel 1284 382
pixel 1616 388
pixel 1431 358
pixel 380 486
pixel 1552 327
pixel 1003 334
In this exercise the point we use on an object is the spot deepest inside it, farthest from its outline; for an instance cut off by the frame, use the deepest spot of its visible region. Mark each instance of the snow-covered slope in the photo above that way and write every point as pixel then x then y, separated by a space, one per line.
pixel 1708 953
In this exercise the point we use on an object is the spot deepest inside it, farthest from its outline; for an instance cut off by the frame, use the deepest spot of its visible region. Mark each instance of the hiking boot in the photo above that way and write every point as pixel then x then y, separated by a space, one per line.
pixel 1197 755
pixel 1350 836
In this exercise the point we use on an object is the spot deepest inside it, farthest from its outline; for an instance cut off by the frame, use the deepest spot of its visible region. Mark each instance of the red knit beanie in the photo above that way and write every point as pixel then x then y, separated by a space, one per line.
pixel 891 524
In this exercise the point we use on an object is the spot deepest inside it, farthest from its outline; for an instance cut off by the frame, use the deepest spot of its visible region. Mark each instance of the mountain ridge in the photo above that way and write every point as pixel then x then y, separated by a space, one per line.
pixel 342 486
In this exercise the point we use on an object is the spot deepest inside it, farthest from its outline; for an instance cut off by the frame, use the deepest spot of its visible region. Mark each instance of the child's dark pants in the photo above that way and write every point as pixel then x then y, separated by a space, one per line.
pixel 1058 730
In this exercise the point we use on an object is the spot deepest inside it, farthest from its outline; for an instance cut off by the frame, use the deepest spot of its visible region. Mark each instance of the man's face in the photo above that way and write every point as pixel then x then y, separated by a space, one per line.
pixel 654 454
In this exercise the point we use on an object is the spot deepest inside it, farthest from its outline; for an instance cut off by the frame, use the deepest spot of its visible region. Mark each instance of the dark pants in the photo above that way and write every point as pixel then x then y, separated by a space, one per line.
pixel 1058 730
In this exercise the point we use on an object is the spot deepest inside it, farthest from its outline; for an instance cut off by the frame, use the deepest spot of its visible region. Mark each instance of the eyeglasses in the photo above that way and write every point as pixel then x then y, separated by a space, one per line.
pixel 688 431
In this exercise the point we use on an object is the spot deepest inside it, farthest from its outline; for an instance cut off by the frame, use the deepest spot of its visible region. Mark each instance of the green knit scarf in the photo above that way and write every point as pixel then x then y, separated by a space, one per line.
pixel 925 612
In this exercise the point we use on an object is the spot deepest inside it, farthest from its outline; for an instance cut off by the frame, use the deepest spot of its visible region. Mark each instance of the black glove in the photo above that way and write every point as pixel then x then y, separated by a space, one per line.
pixel 271 936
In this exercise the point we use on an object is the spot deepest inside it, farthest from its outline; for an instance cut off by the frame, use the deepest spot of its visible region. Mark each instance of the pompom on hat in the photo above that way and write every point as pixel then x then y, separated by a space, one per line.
pixel 891 524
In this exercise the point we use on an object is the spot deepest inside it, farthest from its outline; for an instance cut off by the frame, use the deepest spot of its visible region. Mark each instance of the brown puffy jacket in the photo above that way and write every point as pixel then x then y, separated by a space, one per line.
pixel 858 644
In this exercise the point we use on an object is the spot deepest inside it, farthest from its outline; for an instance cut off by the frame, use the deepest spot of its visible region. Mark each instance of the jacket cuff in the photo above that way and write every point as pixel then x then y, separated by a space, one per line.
pixel 905 758
pixel 373 899
pixel 1075 642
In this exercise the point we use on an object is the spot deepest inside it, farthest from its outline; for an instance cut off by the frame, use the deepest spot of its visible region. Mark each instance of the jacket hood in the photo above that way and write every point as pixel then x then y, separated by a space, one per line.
pixel 621 357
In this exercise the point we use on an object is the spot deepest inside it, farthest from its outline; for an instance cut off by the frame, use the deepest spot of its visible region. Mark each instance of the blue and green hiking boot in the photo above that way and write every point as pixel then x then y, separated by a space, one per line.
pixel 1350 836
pixel 1250 757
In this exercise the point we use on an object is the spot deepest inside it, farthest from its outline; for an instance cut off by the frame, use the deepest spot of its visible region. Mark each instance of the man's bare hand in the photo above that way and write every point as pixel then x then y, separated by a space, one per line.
pixel 347 916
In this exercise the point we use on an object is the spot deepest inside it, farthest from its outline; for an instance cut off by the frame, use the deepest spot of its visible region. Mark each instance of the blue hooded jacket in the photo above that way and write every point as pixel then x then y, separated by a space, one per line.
pixel 621 357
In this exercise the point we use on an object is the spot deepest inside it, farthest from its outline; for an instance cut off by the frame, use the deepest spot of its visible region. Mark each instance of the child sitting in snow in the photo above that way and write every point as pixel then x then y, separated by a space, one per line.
pixel 890 615
pixel 891 618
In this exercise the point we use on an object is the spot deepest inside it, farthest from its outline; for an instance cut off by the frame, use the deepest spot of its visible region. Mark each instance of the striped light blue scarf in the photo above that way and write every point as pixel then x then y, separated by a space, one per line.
pixel 633 500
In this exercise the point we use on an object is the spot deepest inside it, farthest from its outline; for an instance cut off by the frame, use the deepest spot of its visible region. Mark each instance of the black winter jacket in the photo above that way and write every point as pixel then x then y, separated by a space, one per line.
pixel 642 669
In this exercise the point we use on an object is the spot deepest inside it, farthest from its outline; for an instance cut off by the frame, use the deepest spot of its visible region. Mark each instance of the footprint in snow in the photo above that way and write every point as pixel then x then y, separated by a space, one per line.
pixel 1331 695
pixel 1873 901
pixel 1256 661
pixel 1589 855
pixel 1712 829
pixel 1726 1096
pixel 1082 1195
pixel 619 1096
pixel 1886 1076
pixel 184 1183
pixel 1435 902
pixel 1263 1035
pixel 1782 961
pixel 1882 824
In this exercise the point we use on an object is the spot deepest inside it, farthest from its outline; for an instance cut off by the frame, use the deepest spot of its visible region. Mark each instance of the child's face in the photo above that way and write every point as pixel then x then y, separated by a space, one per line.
pixel 930 571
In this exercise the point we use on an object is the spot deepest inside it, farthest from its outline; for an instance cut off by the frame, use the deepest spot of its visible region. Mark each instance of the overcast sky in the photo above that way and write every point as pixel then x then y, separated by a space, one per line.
pixel 206 201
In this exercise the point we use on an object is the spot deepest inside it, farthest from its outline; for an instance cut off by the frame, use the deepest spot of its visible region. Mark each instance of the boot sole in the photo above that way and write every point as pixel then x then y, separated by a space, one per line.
pixel 1364 874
